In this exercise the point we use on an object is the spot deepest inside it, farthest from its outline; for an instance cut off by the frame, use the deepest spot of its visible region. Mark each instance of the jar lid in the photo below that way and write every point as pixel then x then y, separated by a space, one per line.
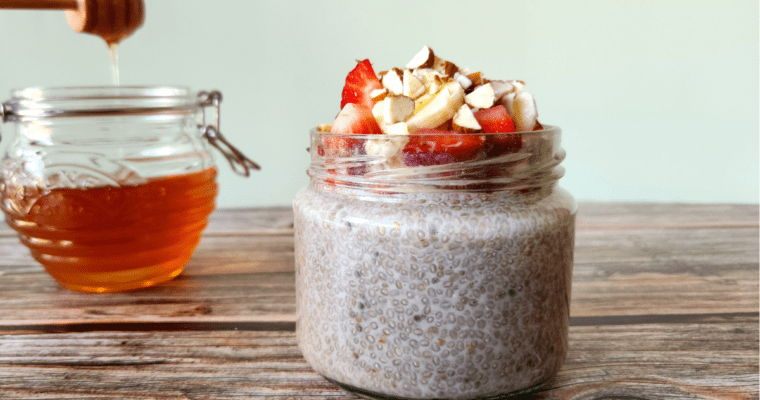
pixel 40 103
pixel 43 103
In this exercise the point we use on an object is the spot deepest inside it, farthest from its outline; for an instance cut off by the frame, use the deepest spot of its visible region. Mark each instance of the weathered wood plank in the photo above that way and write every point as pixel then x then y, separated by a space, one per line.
pixel 594 215
pixel 591 215
pixel 714 358
pixel 249 278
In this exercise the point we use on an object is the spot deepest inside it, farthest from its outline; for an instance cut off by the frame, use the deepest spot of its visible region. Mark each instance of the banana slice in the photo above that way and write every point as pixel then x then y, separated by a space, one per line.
pixel 439 109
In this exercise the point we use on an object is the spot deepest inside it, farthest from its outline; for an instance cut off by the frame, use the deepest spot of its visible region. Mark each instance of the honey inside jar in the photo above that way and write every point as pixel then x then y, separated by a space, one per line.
pixel 106 239
pixel 109 187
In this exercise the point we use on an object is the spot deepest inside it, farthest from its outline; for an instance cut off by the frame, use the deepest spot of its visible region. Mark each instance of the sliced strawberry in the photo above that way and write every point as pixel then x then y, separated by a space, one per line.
pixel 496 120
pixel 435 147
pixel 360 82
pixel 352 119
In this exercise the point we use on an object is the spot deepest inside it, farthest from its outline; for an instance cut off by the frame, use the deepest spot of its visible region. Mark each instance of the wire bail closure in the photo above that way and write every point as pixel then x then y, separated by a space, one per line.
pixel 241 164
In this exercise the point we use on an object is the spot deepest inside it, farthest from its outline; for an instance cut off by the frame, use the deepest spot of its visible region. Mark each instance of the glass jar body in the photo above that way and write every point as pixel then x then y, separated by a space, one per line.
pixel 434 294
pixel 109 202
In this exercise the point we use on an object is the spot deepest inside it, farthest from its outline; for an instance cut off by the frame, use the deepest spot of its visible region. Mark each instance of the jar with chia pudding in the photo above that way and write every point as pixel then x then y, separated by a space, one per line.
pixel 427 274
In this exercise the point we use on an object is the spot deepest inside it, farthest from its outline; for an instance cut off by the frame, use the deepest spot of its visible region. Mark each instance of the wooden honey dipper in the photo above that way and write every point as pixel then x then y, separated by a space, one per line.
pixel 112 20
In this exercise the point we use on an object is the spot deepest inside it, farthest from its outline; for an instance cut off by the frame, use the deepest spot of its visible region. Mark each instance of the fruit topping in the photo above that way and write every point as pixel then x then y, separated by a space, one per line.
pixel 431 112
pixel 439 109
pixel 434 147
pixel 352 119
pixel 494 120
pixel 360 83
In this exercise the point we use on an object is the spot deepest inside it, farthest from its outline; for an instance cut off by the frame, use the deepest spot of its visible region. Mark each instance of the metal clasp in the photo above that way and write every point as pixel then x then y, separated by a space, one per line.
pixel 5 114
pixel 238 161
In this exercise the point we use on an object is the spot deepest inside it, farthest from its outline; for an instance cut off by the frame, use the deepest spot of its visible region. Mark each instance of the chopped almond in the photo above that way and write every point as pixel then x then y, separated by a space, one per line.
pixel 526 114
pixel 413 87
pixel 392 81
pixel 424 59
pixel 464 120
pixel 397 109
pixel 481 97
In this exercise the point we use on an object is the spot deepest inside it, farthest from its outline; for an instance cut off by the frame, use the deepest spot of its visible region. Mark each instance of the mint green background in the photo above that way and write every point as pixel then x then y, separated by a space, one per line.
pixel 657 99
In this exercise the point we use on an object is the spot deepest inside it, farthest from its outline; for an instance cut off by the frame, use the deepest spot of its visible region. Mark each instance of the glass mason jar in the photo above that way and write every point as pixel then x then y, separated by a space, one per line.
pixel 109 187
pixel 447 279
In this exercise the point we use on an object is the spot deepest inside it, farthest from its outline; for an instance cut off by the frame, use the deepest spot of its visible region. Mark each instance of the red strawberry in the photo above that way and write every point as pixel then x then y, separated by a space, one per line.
pixel 434 147
pixel 496 120
pixel 360 82
pixel 352 119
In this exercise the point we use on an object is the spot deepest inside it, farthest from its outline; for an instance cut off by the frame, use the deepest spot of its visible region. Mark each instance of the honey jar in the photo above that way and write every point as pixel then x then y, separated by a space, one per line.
pixel 111 187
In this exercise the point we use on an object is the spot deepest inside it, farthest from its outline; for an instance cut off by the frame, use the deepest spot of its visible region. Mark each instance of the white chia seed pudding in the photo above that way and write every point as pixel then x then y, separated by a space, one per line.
pixel 434 295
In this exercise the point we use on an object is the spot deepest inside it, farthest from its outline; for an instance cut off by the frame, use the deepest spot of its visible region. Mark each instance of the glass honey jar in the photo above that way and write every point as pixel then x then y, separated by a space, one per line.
pixel 111 187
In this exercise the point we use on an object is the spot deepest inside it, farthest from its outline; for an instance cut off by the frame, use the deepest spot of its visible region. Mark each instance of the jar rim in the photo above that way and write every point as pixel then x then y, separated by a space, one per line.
pixel 385 164
pixel 547 130
pixel 98 92
pixel 87 101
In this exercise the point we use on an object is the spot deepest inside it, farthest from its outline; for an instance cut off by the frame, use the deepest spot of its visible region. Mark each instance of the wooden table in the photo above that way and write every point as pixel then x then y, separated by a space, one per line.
pixel 665 306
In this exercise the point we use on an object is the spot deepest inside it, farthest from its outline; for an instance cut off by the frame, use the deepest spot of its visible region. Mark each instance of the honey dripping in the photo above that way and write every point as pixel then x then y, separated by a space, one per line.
pixel 112 20
pixel 113 50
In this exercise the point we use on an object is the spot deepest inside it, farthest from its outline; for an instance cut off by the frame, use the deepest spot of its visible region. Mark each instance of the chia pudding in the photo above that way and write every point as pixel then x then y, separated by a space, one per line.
pixel 435 273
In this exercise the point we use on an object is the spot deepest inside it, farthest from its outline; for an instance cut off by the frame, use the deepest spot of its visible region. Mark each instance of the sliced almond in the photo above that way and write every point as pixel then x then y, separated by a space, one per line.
pixel 427 75
pixel 525 112
pixel 397 109
pixel 392 81
pixel 439 109
pixel 413 87
pixel 378 94
pixel 464 120
pixel 463 80
pixel 500 88
pixel 481 97
pixel 447 68
pixel 476 78
pixel 424 59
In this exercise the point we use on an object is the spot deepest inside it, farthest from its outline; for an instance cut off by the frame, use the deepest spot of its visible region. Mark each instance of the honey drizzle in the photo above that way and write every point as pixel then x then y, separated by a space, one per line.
pixel 113 50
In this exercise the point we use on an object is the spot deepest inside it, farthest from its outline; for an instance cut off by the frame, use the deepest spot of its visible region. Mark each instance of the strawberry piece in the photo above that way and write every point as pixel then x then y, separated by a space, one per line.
pixel 496 120
pixel 435 147
pixel 352 119
pixel 360 82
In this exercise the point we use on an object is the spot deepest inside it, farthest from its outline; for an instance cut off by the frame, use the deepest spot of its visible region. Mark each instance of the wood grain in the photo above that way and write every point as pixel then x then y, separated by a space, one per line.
pixel 238 278
pixel 664 306
pixel 709 359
